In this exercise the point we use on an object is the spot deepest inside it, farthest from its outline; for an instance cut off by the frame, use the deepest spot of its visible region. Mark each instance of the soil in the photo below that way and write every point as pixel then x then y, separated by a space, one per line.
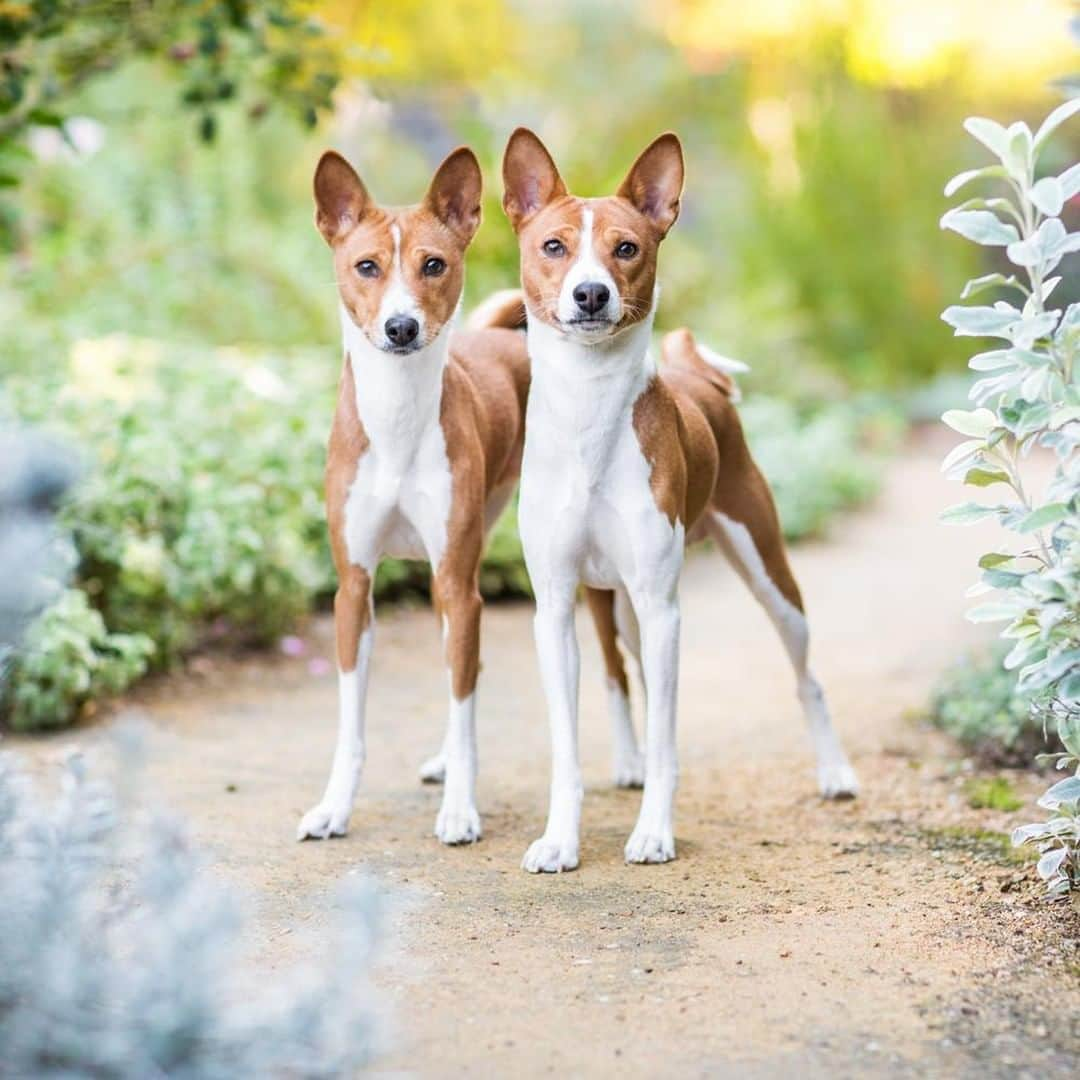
pixel 894 935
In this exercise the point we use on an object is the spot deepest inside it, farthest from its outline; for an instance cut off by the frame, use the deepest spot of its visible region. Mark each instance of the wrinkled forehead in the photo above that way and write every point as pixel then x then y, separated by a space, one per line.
pixel 604 214
pixel 385 230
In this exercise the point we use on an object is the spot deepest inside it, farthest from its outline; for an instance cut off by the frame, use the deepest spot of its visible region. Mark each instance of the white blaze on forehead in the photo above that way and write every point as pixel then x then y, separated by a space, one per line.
pixel 587 267
pixel 397 299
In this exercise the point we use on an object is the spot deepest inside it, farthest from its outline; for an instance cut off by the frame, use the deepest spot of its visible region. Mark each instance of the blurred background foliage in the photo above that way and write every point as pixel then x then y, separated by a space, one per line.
pixel 158 158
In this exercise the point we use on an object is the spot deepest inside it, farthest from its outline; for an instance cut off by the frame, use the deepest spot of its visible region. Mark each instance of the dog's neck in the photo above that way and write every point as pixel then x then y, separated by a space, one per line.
pixel 398 398
pixel 585 386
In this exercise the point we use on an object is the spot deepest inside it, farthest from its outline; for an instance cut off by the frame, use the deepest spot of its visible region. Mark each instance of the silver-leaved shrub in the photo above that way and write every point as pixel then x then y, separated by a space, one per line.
pixel 1027 397
pixel 119 954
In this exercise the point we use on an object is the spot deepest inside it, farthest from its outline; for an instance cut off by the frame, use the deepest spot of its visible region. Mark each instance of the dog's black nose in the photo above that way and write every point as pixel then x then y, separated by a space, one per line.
pixel 401 330
pixel 592 296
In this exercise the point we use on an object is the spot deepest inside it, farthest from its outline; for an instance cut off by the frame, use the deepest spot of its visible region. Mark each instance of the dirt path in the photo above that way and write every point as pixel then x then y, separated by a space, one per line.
pixel 789 937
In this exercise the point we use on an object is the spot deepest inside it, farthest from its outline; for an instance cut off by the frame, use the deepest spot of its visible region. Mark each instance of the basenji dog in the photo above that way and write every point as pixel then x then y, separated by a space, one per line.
pixel 625 462
pixel 424 452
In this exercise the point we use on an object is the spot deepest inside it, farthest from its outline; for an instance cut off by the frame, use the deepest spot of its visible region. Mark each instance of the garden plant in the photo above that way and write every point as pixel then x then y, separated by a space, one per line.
pixel 119 954
pixel 1028 398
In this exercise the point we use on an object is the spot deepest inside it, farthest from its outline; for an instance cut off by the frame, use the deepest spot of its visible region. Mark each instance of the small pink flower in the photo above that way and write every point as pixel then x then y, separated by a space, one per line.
pixel 319 666
pixel 292 646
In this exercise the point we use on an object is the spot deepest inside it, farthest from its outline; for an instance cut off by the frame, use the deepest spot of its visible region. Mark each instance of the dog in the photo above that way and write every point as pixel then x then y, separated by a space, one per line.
pixel 626 462
pixel 424 452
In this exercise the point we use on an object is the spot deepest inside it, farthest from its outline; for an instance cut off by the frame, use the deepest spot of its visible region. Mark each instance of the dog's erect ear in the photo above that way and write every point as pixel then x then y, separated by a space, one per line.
pixel 530 178
pixel 655 181
pixel 454 194
pixel 340 196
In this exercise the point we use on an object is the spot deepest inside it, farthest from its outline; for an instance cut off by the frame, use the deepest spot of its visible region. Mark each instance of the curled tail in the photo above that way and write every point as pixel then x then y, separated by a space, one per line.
pixel 505 309
pixel 680 350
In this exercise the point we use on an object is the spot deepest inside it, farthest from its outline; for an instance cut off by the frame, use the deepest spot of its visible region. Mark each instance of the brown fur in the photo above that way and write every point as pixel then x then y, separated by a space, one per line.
pixel 602 607
pixel 485 385
pixel 685 420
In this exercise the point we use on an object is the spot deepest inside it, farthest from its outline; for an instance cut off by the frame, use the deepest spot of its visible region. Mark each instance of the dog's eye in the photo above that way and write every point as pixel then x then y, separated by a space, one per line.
pixel 367 268
pixel 555 248
pixel 433 267
pixel 626 250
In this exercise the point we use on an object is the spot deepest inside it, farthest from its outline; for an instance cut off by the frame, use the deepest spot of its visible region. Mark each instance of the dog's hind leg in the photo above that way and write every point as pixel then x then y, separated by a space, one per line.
pixel 748 532
pixel 628 762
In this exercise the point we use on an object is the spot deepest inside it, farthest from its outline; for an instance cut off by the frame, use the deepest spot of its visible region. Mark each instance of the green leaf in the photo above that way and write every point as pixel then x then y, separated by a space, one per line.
pixel 976 424
pixel 1040 247
pixel 958 181
pixel 1054 121
pixel 967 513
pixel 1049 514
pixel 987 281
pixel 1047 196
pixel 992 612
pixel 985 477
pixel 990 133
pixel 1069 181
pixel 994 559
pixel 960 452
pixel 993 360
pixel 980 321
pixel 1063 791
pixel 1018 152
pixel 981 226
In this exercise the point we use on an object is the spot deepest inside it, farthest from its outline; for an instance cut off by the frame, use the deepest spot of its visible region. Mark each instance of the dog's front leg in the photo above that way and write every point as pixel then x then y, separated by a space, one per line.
pixel 458 821
pixel 557 650
pixel 653 838
pixel 354 628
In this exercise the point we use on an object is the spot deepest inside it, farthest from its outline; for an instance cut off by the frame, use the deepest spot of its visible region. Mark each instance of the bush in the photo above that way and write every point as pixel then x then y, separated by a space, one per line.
pixel 977 702
pixel 69 660
pixel 1027 398
pixel 201 519
pixel 817 463
pixel 118 957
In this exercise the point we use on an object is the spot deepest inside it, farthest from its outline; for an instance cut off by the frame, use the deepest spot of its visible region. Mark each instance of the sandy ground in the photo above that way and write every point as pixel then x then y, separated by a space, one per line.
pixel 889 936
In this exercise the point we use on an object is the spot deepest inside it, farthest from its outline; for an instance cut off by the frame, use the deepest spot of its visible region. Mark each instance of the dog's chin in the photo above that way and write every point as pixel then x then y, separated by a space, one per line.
pixel 398 350
pixel 588 330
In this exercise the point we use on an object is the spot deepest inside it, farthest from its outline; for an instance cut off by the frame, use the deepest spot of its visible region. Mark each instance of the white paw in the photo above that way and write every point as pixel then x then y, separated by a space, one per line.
pixel 837 780
pixel 324 821
pixel 458 825
pixel 433 771
pixel 548 856
pixel 629 771
pixel 648 845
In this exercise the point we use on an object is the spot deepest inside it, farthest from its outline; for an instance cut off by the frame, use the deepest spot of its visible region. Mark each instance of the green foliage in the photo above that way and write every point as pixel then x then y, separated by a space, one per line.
pixel 70 659
pixel 120 958
pixel 217 51
pixel 201 515
pixel 817 465
pixel 1028 396
pixel 992 793
pixel 977 702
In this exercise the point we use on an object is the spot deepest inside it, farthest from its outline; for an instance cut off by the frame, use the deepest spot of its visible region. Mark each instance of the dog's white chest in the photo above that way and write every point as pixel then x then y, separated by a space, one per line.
pixel 399 506
pixel 587 506
pixel 399 500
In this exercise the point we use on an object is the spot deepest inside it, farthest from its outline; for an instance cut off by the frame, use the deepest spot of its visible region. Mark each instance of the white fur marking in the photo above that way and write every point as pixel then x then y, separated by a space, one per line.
pixel 588 267
pixel 458 821
pixel 836 778
pixel 587 513
pixel 398 298
pixel 628 762
pixel 331 816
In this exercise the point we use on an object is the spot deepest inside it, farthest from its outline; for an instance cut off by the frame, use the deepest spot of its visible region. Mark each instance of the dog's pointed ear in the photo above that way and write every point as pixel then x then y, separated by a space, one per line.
pixel 340 196
pixel 655 181
pixel 454 194
pixel 530 177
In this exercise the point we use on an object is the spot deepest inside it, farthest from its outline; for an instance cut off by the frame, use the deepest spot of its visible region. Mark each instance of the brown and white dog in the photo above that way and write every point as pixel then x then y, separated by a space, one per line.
pixel 424 452
pixel 624 463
